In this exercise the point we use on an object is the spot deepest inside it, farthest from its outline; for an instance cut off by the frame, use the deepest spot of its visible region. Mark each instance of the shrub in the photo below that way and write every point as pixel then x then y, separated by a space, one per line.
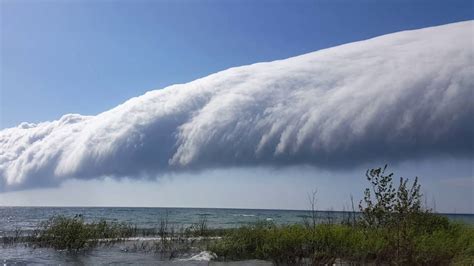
pixel 73 234
pixel 393 229
pixel 65 233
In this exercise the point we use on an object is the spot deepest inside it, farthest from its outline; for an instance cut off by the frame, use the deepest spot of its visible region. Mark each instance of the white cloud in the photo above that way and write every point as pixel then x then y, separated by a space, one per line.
pixel 396 97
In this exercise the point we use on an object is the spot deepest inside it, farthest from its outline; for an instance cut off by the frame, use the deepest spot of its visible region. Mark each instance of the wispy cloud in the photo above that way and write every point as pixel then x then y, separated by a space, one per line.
pixel 396 97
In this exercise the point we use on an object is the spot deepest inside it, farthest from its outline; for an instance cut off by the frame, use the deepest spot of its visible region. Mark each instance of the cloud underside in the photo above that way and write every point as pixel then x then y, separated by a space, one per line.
pixel 396 97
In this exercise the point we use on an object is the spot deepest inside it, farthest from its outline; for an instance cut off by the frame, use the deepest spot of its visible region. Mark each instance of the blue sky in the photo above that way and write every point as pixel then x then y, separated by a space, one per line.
pixel 85 57
pixel 59 57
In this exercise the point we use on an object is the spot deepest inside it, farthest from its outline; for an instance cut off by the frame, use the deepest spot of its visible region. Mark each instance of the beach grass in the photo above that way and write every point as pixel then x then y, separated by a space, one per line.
pixel 391 227
pixel 75 234
pixel 433 241
pixel 328 243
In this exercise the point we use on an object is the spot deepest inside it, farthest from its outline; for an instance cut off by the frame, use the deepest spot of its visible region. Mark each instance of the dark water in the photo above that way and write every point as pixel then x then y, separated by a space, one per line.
pixel 27 218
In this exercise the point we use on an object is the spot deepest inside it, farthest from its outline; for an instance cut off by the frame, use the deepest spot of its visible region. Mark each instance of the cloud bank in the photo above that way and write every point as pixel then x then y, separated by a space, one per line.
pixel 396 97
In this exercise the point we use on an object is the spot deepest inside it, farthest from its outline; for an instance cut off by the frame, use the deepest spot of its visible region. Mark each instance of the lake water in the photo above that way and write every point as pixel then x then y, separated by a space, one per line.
pixel 27 219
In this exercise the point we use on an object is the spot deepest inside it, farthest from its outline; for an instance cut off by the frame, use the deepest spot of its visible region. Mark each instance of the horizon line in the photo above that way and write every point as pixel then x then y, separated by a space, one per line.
pixel 217 208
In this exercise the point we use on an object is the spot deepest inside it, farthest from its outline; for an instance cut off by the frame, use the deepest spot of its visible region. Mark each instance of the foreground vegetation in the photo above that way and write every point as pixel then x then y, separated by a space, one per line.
pixel 391 227
pixel 329 243
pixel 75 234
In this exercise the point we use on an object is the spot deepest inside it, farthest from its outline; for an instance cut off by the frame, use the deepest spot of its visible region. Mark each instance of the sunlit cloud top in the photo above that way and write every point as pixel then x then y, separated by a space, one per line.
pixel 397 97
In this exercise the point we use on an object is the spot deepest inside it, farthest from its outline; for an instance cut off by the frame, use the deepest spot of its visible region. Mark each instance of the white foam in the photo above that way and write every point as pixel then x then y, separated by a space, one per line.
pixel 202 256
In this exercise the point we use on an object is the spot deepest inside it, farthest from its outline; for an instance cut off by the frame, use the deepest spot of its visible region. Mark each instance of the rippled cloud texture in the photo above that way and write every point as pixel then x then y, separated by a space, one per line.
pixel 397 97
